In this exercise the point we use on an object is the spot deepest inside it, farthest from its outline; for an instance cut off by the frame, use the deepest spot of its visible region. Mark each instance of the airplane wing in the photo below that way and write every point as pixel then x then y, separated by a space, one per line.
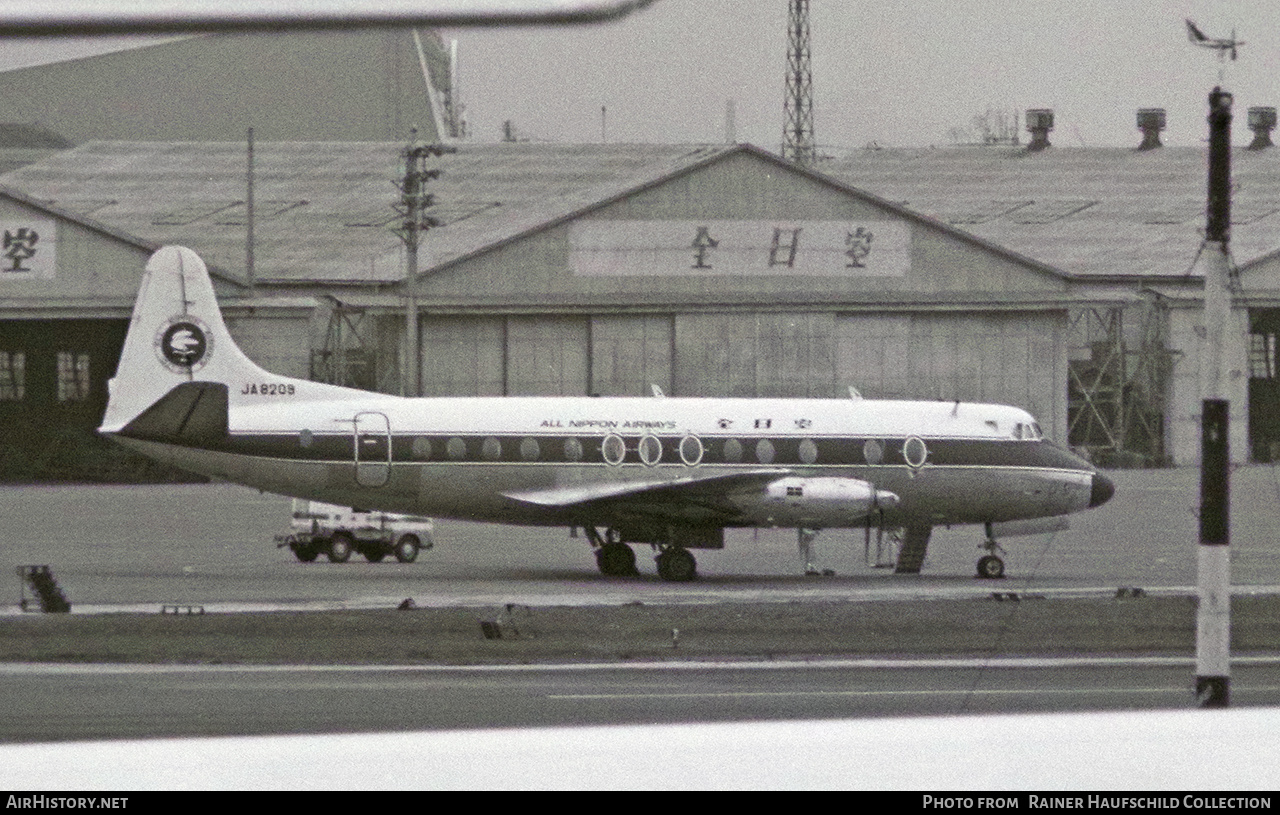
pixel 690 500
pixel 1194 34
pixel 76 17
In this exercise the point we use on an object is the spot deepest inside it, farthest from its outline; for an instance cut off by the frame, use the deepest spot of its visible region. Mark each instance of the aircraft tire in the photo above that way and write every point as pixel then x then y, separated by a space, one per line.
pixel 616 560
pixel 990 567
pixel 305 552
pixel 406 549
pixel 677 565
pixel 340 548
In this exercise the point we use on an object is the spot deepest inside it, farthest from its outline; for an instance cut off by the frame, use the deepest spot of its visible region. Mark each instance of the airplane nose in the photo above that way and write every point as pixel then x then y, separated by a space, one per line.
pixel 1102 490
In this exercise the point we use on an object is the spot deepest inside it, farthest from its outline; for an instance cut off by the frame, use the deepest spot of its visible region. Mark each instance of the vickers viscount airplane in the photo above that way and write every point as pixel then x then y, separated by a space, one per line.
pixel 673 473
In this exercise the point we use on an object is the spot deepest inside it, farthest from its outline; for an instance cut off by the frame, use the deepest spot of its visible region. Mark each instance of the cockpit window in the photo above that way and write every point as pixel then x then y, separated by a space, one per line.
pixel 1027 432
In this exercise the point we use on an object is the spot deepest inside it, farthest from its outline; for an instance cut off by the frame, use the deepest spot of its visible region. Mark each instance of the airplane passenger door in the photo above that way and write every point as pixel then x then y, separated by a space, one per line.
pixel 372 449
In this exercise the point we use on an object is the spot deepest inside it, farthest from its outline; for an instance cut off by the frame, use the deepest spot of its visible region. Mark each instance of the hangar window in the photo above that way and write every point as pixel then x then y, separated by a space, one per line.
pixel 73 376
pixel 1262 356
pixel 13 376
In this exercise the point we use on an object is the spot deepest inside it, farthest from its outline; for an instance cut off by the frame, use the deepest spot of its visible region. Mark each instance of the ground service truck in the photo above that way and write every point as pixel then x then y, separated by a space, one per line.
pixel 337 531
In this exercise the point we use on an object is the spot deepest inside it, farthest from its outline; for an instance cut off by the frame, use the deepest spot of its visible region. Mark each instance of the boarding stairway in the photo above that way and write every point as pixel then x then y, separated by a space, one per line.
pixel 48 595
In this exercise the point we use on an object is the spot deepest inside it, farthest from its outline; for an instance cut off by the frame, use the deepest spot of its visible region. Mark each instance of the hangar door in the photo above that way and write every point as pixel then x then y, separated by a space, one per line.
pixel 504 355
pixel 53 391
pixel 1014 358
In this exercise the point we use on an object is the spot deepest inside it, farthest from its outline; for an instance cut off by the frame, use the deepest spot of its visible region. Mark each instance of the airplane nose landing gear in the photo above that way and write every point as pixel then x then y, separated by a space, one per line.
pixel 991 565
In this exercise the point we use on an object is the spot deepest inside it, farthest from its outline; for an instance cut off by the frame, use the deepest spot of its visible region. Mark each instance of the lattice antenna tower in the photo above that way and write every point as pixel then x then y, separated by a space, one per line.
pixel 797 135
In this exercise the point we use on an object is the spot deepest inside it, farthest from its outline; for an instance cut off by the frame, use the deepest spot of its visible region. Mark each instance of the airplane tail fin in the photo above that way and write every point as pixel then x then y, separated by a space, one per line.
pixel 176 336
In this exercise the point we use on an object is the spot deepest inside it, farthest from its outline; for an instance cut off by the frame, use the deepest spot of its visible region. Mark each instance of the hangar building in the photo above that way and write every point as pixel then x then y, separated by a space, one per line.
pixel 597 269
pixel 1123 222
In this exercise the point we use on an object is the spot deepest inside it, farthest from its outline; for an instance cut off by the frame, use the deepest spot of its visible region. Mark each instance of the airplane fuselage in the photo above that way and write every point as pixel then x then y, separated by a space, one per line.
pixel 488 459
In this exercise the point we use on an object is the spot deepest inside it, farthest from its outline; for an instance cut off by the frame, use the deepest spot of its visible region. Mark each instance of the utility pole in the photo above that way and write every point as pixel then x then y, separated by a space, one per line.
pixel 414 199
pixel 251 271
pixel 798 143
pixel 1213 565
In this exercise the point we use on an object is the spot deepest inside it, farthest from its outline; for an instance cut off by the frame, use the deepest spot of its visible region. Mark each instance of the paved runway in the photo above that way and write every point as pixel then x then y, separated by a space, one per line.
pixel 115 547
pixel 74 702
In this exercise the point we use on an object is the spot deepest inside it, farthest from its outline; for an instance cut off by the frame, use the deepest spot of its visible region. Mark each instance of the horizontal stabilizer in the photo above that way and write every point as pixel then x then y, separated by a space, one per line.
pixel 193 413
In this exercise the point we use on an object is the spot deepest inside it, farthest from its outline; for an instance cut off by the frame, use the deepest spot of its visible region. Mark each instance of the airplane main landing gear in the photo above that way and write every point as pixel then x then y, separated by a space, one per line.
pixel 677 564
pixel 614 558
pixel 991 565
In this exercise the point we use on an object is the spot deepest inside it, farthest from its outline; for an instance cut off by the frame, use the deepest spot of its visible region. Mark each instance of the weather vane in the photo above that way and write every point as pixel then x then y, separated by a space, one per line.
pixel 1223 45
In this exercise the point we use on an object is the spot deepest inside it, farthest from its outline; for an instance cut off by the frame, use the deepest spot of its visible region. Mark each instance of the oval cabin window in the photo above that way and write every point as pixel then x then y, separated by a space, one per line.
pixel 915 452
pixel 456 448
pixel 614 449
pixel 492 449
pixel 650 450
pixel 732 451
pixel 691 450
pixel 808 451
pixel 873 451
pixel 764 451
pixel 572 450
pixel 530 450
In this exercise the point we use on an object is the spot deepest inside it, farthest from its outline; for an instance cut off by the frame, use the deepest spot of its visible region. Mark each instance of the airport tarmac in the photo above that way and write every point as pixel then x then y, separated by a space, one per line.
pixel 115 548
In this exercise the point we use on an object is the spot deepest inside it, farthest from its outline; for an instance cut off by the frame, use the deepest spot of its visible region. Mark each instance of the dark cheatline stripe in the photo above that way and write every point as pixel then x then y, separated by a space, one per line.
pixel 788 451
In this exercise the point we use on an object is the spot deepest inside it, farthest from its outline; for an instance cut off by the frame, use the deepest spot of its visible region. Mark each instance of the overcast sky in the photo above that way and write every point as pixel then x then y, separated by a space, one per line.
pixel 894 72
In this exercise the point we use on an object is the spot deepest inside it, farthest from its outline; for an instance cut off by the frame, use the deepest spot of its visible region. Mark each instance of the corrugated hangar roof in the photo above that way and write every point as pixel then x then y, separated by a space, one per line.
pixel 1092 212
pixel 324 211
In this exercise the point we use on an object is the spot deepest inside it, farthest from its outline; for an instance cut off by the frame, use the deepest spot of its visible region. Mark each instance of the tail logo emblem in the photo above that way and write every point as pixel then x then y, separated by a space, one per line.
pixel 184 344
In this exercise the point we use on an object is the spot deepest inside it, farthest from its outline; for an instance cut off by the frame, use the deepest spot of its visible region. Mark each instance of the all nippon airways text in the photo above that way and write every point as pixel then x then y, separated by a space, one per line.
pixel 1030 801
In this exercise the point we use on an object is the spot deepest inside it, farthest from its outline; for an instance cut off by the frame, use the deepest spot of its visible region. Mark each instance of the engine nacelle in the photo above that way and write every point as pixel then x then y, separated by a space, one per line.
pixel 822 501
